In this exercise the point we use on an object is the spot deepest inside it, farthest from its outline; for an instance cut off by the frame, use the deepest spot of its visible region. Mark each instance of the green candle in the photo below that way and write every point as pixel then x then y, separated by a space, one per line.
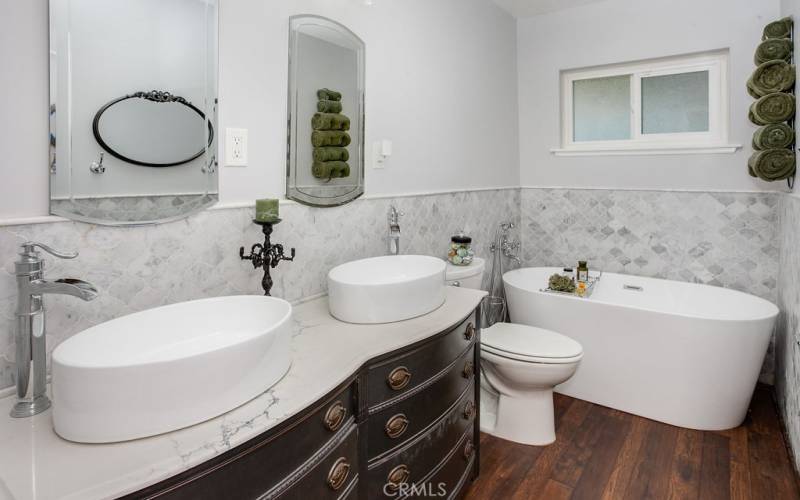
pixel 267 210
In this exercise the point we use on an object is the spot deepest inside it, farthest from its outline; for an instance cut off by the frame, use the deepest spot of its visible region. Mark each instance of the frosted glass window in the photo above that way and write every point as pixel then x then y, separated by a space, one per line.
pixel 675 103
pixel 602 109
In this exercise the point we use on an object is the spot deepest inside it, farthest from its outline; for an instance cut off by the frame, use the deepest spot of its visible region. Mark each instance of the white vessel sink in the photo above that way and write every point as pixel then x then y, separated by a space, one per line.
pixel 386 289
pixel 167 368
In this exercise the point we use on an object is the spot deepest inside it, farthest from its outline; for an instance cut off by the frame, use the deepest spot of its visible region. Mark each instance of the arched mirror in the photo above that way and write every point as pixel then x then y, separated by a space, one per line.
pixel 326 112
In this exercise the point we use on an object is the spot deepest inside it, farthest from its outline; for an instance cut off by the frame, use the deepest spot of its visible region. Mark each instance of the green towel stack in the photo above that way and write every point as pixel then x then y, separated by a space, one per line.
pixel 329 137
pixel 771 85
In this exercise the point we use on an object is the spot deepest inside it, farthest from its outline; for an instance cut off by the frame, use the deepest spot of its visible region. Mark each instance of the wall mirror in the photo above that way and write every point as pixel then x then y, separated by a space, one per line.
pixel 133 109
pixel 326 112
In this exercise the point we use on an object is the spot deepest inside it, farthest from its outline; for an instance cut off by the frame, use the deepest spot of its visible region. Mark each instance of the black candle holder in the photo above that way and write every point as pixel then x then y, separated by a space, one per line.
pixel 266 255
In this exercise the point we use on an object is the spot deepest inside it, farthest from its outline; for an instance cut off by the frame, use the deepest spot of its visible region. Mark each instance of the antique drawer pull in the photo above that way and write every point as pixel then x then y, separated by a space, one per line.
pixel 469 410
pixel 399 378
pixel 469 448
pixel 335 416
pixel 338 474
pixel 469 332
pixel 396 426
pixel 397 476
pixel 469 369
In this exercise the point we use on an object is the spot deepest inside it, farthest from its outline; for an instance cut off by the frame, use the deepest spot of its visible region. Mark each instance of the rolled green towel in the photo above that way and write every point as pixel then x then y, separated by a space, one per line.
pixel 328 95
pixel 322 170
pixel 772 108
pixel 776 48
pixel 330 121
pixel 330 169
pixel 326 106
pixel 775 136
pixel 321 138
pixel 781 28
pixel 772 76
pixel 773 164
pixel 331 154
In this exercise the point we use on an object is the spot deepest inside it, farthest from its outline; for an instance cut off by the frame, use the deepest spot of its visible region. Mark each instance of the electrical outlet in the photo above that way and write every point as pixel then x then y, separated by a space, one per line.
pixel 236 147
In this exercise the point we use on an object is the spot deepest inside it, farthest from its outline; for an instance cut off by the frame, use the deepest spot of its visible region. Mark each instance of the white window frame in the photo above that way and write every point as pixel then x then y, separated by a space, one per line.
pixel 716 140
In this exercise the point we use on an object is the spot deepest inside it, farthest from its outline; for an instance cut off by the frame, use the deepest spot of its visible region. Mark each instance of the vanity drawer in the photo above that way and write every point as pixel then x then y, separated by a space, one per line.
pixel 255 469
pixel 392 426
pixel 420 457
pixel 456 471
pixel 333 477
pixel 399 375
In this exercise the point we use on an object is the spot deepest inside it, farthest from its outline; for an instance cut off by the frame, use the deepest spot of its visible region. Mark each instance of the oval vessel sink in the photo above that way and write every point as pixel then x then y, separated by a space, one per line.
pixel 167 368
pixel 386 289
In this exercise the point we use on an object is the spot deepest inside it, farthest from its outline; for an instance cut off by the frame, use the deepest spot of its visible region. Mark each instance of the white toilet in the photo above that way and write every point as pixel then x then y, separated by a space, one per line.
pixel 521 366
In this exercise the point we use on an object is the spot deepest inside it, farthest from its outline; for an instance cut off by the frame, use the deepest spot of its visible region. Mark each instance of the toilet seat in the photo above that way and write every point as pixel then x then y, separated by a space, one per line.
pixel 529 344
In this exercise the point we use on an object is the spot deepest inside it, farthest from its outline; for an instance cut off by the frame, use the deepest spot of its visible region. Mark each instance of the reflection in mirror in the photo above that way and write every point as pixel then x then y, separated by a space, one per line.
pixel 326 112
pixel 152 129
pixel 135 85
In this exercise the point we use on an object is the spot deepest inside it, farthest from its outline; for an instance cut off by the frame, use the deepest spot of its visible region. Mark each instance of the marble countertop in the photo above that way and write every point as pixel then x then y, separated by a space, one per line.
pixel 35 464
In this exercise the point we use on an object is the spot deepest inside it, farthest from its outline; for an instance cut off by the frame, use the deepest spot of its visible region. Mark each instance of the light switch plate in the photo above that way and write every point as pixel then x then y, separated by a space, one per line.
pixel 236 147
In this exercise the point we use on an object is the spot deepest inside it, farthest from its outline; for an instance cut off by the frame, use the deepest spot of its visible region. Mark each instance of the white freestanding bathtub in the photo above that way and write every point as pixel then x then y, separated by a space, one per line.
pixel 681 353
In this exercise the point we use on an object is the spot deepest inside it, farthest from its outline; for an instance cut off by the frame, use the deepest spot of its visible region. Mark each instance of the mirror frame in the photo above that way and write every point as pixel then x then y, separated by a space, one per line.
pixel 72 208
pixel 159 96
pixel 292 192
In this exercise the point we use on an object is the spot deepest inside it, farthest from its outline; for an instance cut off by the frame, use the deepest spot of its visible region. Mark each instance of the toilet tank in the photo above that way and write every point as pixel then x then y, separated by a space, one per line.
pixel 470 276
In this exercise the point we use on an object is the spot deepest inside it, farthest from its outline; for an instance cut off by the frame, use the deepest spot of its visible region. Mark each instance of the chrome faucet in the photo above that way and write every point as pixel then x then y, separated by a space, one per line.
pixel 507 247
pixel 394 230
pixel 30 333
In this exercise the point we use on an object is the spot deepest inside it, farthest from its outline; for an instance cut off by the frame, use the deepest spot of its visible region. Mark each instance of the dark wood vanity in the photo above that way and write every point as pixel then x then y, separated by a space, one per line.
pixel 403 426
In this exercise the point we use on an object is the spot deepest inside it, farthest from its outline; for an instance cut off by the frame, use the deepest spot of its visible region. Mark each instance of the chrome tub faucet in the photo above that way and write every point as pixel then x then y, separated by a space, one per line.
pixel 394 230
pixel 31 350
pixel 507 246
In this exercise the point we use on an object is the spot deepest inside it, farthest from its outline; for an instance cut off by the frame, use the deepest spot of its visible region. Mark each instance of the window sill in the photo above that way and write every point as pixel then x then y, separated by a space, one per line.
pixel 648 151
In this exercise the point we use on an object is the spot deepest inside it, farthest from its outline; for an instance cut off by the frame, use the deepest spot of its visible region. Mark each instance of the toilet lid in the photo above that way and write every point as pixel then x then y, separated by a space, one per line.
pixel 454 272
pixel 523 341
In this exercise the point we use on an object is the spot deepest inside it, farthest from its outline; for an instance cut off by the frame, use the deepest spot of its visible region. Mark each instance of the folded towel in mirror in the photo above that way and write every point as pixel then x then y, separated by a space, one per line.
pixel 328 95
pixel 330 121
pixel 772 108
pixel 772 164
pixel 776 48
pixel 326 106
pixel 320 138
pixel 774 136
pixel 330 169
pixel 331 154
pixel 781 28
pixel 772 76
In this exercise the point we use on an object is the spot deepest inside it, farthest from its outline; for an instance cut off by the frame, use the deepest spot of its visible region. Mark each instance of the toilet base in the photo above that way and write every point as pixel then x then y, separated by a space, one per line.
pixel 526 420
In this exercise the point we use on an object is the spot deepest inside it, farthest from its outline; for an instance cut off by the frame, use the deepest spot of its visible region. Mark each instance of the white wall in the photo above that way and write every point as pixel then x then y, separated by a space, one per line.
pixel 440 84
pixel 616 31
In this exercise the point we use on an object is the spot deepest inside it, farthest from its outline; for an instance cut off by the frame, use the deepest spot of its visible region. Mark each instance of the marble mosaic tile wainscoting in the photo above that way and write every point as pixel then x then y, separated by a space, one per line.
pixel 787 341
pixel 722 239
pixel 143 267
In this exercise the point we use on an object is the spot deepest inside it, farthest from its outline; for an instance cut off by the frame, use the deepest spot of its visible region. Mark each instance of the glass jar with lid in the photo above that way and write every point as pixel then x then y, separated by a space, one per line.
pixel 460 252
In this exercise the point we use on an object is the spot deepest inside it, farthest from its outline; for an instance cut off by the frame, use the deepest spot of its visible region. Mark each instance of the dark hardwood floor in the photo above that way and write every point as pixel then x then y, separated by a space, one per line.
pixel 606 454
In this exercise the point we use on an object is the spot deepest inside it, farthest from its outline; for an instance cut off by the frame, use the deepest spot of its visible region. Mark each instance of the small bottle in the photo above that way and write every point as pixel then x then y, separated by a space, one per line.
pixel 582 273
pixel 580 290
